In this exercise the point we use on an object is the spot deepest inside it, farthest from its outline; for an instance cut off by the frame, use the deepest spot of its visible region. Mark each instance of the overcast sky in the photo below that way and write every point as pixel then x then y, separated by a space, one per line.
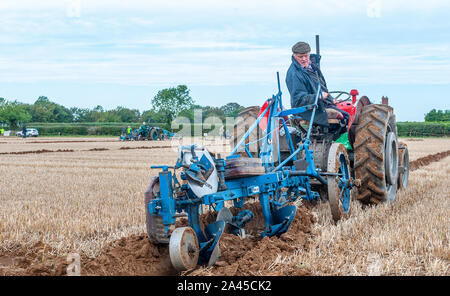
pixel 120 53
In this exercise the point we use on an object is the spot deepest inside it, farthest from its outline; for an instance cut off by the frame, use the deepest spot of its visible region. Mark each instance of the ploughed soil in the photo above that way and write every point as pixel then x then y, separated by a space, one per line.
pixel 426 160
pixel 135 255
pixel 38 151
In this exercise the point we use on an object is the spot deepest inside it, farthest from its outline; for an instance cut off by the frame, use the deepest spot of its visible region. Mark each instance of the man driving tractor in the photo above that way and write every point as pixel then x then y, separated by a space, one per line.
pixel 302 79
pixel 143 130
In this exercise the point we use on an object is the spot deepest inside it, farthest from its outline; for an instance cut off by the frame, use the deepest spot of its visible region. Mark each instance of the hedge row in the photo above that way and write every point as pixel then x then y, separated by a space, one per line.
pixel 60 124
pixel 423 129
pixel 112 129
pixel 79 130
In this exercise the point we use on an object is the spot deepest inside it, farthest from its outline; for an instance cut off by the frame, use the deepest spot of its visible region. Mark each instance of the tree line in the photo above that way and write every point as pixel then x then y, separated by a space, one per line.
pixel 438 116
pixel 165 106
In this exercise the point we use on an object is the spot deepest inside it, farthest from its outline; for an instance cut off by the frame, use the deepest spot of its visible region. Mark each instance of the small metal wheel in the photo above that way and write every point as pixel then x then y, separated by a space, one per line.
pixel 184 248
pixel 339 191
pixel 403 172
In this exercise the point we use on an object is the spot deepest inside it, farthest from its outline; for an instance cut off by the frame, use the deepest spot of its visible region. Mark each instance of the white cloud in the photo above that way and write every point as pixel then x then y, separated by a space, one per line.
pixel 99 47
pixel 227 66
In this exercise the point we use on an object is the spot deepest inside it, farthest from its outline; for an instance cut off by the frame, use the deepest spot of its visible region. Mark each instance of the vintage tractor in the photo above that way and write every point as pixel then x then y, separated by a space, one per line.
pixel 278 158
pixel 151 133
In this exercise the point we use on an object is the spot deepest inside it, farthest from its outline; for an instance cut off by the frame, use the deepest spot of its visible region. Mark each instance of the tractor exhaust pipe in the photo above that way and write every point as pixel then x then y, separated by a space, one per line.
pixel 318 51
pixel 317 45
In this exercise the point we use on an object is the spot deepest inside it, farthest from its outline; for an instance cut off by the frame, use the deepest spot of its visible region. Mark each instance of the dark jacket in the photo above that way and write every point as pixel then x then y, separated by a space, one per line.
pixel 303 89
pixel 301 86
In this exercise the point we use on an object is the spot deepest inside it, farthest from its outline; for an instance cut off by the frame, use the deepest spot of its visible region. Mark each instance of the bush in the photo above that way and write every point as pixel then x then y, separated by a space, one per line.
pixel 423 129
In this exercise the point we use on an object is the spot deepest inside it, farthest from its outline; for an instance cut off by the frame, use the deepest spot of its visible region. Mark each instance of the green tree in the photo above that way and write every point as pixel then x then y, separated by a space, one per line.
pixel 152 117
pixel 43 110
pixel 232 109
pixel 209 111
pixel 437 115
pixel 127 115
pixel 189 113
pixel 171 101
pixel 80 114
pixel 13 113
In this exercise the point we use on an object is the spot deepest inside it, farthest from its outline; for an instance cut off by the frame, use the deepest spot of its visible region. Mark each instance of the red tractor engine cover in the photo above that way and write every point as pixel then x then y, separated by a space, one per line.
pixel 349 107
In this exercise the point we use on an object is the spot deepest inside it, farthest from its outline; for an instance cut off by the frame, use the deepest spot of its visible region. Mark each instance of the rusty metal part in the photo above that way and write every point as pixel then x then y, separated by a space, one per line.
pixel 320 150
pixel 243 167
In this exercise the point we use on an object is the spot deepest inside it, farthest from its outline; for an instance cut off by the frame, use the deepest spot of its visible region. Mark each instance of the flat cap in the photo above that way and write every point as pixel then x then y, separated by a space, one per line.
pixel 301 47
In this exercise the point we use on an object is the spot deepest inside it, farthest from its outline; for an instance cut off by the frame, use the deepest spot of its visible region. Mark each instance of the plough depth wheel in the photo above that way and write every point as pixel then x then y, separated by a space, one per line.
pixel 184 248
pixel 339 189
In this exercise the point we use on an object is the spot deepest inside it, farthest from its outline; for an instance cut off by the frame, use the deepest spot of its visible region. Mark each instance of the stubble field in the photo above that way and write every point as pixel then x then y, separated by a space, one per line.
pixel 85 196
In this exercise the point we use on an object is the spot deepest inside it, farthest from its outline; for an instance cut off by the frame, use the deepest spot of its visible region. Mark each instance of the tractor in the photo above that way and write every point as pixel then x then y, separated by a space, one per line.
pixel 151 133
pixel 278 158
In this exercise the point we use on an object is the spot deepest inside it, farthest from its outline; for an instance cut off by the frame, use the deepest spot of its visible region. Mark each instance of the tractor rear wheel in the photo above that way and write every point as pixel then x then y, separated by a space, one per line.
pixel 363 102
pixel 244 121
pixel 376 154
pixel 153 136
pixel 155 227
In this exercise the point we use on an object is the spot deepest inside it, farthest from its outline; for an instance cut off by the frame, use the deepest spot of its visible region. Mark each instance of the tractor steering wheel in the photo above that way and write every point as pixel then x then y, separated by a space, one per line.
pixel 340 93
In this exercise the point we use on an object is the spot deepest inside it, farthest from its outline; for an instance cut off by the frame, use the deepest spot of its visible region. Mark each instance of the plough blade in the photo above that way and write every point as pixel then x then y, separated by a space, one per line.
pixel 282 219
pixel 210 251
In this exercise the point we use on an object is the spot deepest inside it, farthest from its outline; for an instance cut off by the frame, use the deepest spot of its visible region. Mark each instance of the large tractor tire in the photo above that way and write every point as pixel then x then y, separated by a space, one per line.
pixel 376 154
pixel 362 102
pixel 153 135
pixel 155 227
pixel 244 121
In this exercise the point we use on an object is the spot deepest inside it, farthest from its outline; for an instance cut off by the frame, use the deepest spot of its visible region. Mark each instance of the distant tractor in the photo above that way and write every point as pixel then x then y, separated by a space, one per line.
pixel 147 133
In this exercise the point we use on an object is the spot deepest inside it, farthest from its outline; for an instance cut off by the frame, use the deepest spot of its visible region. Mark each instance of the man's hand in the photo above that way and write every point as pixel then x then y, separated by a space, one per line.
pixel 324 95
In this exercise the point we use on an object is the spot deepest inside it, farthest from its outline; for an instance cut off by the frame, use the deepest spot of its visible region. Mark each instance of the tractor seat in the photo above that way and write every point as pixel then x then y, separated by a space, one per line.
pixel 334 117
pixel 334 114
